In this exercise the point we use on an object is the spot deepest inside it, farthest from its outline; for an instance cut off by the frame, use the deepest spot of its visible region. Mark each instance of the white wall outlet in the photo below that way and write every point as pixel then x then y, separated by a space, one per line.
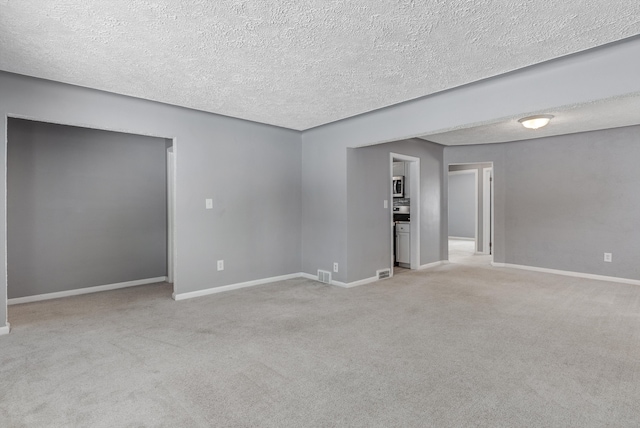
pixel 208 204
pixel 386 203
pixel 335 267
pixel 608 257
pixel 220 264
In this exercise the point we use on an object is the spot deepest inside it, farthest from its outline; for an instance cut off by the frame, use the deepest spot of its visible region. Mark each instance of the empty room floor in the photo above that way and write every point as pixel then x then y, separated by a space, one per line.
pixel 457 345
pixel 463 251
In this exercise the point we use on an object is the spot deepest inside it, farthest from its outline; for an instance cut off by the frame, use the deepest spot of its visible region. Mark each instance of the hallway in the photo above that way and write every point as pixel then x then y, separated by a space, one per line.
pixel 463 252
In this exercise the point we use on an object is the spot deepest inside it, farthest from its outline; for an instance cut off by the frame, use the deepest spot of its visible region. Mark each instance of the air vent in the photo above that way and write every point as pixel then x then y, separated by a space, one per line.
pixel 324 276
pixel 383 273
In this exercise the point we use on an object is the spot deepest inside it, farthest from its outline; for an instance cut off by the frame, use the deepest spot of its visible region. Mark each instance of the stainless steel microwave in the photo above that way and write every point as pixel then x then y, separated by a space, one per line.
pixel 398 186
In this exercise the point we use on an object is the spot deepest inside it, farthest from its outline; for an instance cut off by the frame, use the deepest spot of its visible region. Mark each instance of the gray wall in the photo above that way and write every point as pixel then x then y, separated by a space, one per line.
pixel 369 223
pixel 211 151
pixel 251 171
pixel 84 207
pixel 561 202
pixel 462 205
pixel 596 74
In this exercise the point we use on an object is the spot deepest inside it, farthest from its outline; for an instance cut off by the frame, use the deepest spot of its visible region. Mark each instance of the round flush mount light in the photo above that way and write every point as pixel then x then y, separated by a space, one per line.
pixel 535 122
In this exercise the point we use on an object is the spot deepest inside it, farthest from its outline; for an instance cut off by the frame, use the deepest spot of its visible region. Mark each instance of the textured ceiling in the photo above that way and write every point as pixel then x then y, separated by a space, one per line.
pixel 296 64
pixel 603 114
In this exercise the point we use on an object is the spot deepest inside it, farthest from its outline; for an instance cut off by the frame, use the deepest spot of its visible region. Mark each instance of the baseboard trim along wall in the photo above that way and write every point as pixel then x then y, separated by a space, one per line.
pixel 434 264
pixel 356 283
pixel 214 290
pixel 373 278
pixel 199 293
pixel 340 283
pixel 307 276
pixel 5 330
pixel 570 273
pixel 462 238
pixel 86 290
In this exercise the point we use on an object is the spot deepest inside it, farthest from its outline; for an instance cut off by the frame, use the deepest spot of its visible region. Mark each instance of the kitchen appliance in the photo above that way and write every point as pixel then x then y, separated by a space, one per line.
pixel 398 186
pixel 401 209
pixel 401 213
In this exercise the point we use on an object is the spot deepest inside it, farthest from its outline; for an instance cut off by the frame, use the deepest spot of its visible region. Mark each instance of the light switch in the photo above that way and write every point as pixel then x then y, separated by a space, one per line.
pixel 208 204
pixel 386 203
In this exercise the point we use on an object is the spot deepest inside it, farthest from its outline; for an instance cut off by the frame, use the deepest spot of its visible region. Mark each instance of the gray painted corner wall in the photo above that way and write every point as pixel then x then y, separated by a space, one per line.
pixel 369 223
pixel 561 202
pixel 462 205
pixel 84 208
pixel 251 171
pixel 324 207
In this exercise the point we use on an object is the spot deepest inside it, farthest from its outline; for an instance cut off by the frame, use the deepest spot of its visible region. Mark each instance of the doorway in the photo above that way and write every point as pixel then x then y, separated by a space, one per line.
pixel 470 212
pixel 405 231
pixel 87 210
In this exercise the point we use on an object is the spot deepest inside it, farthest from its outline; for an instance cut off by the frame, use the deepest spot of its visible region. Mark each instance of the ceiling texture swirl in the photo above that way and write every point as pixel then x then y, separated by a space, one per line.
pixel 296 64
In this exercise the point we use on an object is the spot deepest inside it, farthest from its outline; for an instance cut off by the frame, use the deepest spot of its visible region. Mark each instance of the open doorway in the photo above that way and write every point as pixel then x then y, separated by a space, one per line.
pixel 470 212
pixel 405 212
pixel 87 210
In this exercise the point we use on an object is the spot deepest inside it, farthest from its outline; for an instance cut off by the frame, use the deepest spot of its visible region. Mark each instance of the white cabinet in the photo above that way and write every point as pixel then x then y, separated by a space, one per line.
pixel 403 244
pixel 398 168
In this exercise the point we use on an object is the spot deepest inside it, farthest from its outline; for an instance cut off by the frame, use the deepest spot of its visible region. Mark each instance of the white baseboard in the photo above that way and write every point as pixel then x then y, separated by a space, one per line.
pixel 214 290
pixel 86 290
pixel 308 276
pixel 355 283
pixel 462 238
pixel 570 273
pixel 223 288
pixel 5 330
pixel 434 264
pixel 340 283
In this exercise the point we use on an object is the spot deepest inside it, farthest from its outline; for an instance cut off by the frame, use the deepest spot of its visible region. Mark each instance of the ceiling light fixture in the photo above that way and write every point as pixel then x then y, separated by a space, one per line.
pixel 535 122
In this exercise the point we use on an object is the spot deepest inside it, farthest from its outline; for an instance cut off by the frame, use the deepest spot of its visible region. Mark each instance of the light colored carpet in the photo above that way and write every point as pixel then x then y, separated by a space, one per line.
pixel 463 251
pixel 459 345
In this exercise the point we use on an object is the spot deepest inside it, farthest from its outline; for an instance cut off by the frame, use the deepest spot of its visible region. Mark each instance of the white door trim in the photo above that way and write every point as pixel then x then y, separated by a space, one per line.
pixel 414 177
pixel 38 118
pixel 475 198
pixel 170 213
pixel 487 209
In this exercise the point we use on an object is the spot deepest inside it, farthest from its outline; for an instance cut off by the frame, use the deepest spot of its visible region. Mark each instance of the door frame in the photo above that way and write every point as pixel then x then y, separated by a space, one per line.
pixel 487 210
pixel 487 221
pixel 414 195
pixel 475 200
pixel 171 196
pixel 171 257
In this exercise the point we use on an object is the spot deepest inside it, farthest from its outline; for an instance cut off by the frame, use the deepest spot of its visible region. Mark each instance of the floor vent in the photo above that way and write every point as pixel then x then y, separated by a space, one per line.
pixel 324 276
pixel 384 273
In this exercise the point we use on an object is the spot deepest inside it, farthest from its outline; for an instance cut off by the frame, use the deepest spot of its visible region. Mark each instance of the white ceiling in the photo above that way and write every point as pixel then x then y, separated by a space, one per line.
pixel 296 64
pixel 602 114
